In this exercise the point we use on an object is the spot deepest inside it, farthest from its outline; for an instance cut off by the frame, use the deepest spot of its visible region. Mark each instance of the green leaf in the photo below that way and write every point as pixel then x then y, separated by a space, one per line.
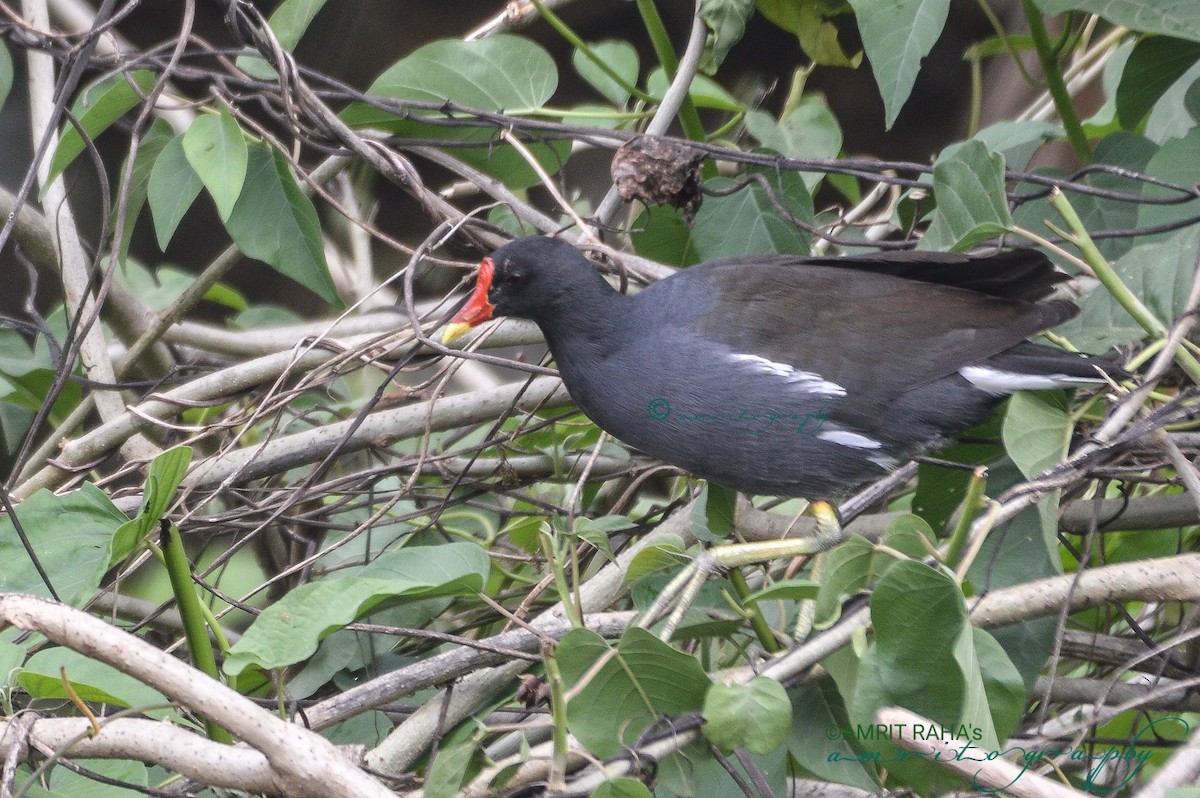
pixel 71 535
pixel 28 374
pixel 173 187
pixel 1191 101
pixel 857 563
pixel 755 716
pixel 659 233
pixel 968 185
pixel 810 21
pixel 1175 161
pixel 291 19
pixel 449 769
pixel 1177 111
pixel 621 787
pixel 1037 430
pixel 499 73
pixel 1155 64
pixel 92 680
pixel 149 148
pixel 1168 17
pixel 96 108
pixel 1130 153
pixel 263 317
pixel 166 472
pixel 720 507
pixel 810 130
pixel 1017 553
pixel 606 525
pixel 621 57
pixel 1018 141
pixel 847 569
pixel 694 772
pixel 1002 684
pixel 897 35
pixel 791 589
pixel 726 20
pixel 13 654
pixel 216 149
pixel 597 530
pixel 288 22
pixel 1159 274
pixel 167 284
pixel 975 708
pixel 705 91
pixel 817 739
pixel 640 680
pixel 524 531
pixel 339 651
pixel 918 615
pixel 501 161
pixel 940 490
pixel 289 630
pixel 666 553
pixel 6 73
pixel 909 534
pixel 1001 45
pixel 1119 149
pixel 168 469
pixel 503 217
pixel 14 423
pixel 64 783
pixel 747 223
pixel 274 222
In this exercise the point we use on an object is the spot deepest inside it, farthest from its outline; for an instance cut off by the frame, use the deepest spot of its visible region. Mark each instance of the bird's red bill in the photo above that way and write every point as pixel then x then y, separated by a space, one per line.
pixel 478 309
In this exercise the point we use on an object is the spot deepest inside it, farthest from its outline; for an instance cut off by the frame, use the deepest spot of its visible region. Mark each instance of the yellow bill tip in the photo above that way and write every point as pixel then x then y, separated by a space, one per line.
pixel 454 331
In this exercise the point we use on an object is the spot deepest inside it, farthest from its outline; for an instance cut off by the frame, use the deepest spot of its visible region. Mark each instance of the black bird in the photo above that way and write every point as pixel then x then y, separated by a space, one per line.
pixel 785 375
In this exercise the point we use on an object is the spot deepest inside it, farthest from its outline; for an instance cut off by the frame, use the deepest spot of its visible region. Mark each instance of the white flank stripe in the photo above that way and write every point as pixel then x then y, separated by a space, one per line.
pixel 805 380
pixel 995 381
pixel 852 439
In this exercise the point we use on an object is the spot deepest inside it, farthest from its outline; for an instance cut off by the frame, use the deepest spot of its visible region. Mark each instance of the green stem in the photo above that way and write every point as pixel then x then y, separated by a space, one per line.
pixel 728 127
pixel 1056 85
pixel 180 574
pixel 976 63
pixel 1006 40
pixel 550 550
pixel 1070 36
pixel 762 630
pixel 970 506
pixel 658 36
pixel 796 90
pixel 558 721
pixel 579 44
pixel 573 113
pixel 1112 281
pixel 688 117
pixel 214 626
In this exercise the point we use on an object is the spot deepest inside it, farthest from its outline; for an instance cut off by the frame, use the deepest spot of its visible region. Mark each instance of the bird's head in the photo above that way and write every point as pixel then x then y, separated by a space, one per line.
pixel 524 278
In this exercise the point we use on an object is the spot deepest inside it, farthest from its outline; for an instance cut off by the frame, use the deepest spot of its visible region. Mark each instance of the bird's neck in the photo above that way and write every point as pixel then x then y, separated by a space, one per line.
pixel 586 325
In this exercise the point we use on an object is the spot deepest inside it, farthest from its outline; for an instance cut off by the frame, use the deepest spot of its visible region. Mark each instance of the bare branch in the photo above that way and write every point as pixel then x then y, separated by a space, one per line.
pixel 303 762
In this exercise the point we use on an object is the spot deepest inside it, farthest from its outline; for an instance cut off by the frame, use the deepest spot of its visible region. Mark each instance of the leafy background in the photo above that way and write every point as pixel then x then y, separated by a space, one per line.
pixel 230 433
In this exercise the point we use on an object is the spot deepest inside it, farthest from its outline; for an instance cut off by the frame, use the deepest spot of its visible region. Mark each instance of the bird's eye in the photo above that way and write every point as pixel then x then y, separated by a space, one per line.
pixel 513 278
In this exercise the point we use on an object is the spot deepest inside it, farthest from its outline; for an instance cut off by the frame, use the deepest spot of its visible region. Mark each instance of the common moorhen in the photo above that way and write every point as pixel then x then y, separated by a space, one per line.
pixel 784 375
